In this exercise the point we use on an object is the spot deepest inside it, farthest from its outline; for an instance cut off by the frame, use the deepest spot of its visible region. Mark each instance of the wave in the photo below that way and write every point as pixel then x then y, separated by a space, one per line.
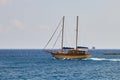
pixel 104 59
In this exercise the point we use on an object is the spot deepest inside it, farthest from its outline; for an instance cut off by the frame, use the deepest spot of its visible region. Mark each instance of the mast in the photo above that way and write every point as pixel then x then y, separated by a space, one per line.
pixel 62 33
pixel 77 32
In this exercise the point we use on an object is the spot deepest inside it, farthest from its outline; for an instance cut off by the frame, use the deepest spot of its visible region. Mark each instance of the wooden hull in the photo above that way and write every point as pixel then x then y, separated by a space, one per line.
pixel 70 56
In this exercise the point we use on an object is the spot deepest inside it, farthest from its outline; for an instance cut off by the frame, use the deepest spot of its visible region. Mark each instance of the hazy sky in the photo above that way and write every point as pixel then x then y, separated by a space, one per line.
pixel 30 23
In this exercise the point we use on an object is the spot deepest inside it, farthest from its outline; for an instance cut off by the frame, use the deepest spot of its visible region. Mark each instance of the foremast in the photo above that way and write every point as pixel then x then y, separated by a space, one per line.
pixel 62 40
pixel 77 32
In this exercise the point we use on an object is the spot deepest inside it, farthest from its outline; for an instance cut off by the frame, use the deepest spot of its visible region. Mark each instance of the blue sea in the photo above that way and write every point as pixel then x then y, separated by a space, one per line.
pixel 36 64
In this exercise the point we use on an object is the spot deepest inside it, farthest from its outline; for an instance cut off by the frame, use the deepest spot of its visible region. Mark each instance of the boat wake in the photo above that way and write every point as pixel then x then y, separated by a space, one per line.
pixel 104 59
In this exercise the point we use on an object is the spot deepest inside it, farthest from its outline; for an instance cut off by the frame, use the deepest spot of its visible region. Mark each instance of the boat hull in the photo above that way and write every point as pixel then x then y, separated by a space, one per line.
pixel 71 56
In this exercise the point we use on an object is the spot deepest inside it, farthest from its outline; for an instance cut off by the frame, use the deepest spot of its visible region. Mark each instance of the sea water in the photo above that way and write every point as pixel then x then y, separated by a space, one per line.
pixel 39 65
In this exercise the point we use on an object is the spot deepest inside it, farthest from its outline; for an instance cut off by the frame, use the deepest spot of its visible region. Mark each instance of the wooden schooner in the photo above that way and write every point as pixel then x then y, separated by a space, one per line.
pixel 77 53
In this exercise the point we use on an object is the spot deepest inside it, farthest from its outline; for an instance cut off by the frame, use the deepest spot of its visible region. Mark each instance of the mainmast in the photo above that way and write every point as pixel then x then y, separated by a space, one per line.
pixel 62 33
pixel 77 32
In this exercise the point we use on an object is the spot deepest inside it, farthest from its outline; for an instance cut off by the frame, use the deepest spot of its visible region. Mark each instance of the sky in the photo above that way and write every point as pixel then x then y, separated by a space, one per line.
pixel 26 24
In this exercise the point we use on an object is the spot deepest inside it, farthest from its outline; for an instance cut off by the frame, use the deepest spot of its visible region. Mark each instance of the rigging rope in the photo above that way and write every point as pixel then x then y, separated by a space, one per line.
pixel 57 39
pixel 52 35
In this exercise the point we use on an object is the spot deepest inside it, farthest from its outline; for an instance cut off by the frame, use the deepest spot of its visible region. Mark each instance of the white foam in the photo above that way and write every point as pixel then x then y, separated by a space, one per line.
pixel 104 59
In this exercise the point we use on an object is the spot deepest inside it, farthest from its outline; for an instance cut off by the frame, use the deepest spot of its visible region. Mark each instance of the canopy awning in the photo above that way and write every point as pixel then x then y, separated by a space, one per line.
pixel 68 48
pixel 82 47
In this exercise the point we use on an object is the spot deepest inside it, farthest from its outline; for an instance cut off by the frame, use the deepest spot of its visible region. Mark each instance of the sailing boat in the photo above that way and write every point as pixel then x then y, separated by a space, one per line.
pixel 77 53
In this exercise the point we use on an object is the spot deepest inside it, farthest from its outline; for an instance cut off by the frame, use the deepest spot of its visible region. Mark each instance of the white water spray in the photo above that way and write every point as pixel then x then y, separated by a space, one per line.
pixel 104 59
